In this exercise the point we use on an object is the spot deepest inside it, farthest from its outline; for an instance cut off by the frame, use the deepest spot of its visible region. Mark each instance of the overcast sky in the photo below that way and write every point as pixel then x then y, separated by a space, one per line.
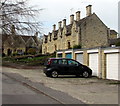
pixel 56 10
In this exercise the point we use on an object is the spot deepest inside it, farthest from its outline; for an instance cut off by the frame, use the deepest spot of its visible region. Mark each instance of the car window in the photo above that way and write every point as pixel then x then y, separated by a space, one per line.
pixel 62 61
pixel 72 62
pixel 54 62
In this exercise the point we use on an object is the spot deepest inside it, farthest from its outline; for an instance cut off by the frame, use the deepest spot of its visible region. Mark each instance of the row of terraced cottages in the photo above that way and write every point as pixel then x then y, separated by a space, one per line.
pixel 105 62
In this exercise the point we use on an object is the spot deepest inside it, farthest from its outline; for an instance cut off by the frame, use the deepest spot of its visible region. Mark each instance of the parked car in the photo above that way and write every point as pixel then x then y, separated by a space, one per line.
pixel 64 66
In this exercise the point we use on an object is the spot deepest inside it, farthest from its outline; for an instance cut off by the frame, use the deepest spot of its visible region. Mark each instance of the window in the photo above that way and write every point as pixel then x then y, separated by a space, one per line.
pixel 59 55
pixel 62 61
pixel 69 45
pixel 54 61
pixel 71 62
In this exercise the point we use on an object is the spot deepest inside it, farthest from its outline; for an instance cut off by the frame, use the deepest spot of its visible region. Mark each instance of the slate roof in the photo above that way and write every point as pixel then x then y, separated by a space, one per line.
pixel 68 27
pixel 17 37
pixel 113 32
pixel 4 37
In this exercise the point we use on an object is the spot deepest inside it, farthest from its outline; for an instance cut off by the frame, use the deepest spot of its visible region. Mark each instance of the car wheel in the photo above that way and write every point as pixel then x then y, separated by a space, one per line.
pixel 85 74
pixel 54 74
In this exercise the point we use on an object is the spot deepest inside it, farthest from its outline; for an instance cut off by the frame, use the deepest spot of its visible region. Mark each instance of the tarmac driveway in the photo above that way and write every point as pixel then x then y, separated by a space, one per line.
pixel 89 90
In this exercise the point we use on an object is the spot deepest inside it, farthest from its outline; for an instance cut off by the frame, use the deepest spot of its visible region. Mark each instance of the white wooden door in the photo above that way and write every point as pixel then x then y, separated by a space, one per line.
pixel 93 63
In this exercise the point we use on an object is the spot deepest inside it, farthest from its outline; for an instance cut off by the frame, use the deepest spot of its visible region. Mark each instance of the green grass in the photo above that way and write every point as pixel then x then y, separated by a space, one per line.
pixel 114 83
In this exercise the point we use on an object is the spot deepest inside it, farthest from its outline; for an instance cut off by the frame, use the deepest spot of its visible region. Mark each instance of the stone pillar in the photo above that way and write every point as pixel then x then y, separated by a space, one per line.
pixel 100 63
pixel 103 69
pixel 63 54
pixel 85 58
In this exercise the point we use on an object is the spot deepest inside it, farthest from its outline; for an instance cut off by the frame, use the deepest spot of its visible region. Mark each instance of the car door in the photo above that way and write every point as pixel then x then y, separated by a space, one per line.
pixel 73 67
pixel 63 66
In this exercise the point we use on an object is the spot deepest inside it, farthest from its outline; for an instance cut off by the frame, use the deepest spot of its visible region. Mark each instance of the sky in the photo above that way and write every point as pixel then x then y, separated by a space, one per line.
pixel 57 10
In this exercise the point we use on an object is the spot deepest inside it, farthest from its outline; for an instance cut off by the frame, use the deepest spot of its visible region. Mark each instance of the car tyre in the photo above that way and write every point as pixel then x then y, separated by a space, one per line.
pixel 54 74
pixel 85 74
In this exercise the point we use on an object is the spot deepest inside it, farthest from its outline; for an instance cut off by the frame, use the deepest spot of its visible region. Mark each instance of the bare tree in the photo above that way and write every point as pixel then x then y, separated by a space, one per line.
pixel 17 13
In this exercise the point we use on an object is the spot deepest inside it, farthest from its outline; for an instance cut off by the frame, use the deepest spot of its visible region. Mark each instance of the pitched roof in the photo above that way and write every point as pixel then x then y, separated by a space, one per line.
pixel 68 27
pixel 17 38
pixel 113 32
pixel 55 33
pixel 4 37
pixel 25 38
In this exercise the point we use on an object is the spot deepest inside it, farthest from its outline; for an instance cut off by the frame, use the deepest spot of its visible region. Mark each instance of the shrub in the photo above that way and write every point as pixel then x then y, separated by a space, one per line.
pixel 117 44
pixel 31 51
pixel 14 54
pixel 77 47
pixel 3 55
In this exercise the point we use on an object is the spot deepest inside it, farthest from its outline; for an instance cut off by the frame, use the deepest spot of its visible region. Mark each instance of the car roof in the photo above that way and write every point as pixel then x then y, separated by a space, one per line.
pixel 63 58
pixel 60 58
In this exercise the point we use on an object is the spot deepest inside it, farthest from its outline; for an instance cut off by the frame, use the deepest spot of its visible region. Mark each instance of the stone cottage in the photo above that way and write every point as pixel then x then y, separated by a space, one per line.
pixel 19 43
pixel 87 32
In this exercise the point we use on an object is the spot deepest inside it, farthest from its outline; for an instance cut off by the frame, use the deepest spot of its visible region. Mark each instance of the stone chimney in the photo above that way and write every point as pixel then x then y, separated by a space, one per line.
pixel 64 22
pixel 54 27
pixel 13 30
pixel 77 15
pixel 88 10
pixel 71 19
pixel 36 34
pixel 60 24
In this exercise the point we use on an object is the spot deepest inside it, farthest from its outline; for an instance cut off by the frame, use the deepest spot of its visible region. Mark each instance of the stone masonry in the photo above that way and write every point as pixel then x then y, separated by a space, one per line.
pixel 88 32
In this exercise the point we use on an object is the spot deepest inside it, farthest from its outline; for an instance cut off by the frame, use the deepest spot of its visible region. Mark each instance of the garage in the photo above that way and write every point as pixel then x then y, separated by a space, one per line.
pixel 93 63
pixel 59 55
pixel 79 57
pixel 113 66
pixel 68 55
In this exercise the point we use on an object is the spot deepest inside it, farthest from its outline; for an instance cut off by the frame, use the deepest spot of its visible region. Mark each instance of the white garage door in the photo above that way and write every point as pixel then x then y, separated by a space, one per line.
pixel 79 57
pixel 93 63
pixel 112 66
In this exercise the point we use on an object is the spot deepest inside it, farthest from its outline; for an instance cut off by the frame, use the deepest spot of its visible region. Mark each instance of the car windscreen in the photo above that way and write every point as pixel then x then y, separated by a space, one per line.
pixel 72 62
